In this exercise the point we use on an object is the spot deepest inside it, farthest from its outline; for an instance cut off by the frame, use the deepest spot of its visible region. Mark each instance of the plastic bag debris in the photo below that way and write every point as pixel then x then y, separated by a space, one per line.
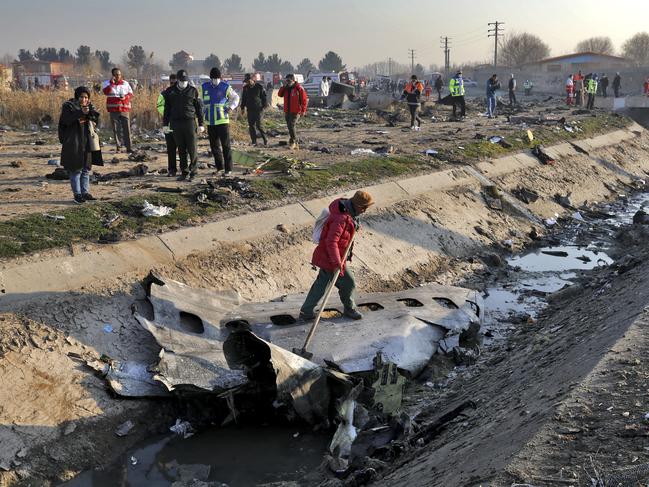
pixel 431 152
pixel 550 222
pixel 157 211
pixel 577 216
pixel 54 162
pixel 54 217
pixel 108 329
pixel 182 428
pixel 358 152
pixel 124 428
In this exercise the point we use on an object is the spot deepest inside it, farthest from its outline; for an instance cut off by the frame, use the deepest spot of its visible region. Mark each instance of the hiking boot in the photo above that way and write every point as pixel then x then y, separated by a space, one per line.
pixel 306 316
pixel 265 141
pixel 353 314
pixel 88 197
pixel 191 177
pixel 182 177
pixel 78 199
pixel 171 174
pixel 227 174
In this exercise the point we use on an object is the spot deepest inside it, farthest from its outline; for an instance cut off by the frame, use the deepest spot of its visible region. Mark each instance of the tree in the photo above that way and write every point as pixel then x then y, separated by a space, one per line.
pixel 600 45
pixel 24 55
pixel 46 54
pixel 136 58
pixel 636 49
pixel 84 55
pixel 65 56
pixel 180 60
pixel 286 67
pixel 212 61
pixel 305 67
pixel 233 64
pixel 518 49
pixel 331 62
pixel 104 59
pixel 274 63
pixel 260 63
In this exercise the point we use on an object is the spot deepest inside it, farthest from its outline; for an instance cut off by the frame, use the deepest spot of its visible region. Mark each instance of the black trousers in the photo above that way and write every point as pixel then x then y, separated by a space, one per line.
pixel 616 90
pixel 414 115
pixel 219 136
pixel 439 94
pixel 185 134
pixel 291 122
pixel 604 91
pixel 512 97
pixel 254 125
pixel 459 101
pixel 171 153
pixel 591 101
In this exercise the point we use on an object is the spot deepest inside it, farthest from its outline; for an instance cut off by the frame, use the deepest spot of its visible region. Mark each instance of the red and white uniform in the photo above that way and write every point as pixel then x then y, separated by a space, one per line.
pixel 118 95
pixel 570 91
pixel 646 87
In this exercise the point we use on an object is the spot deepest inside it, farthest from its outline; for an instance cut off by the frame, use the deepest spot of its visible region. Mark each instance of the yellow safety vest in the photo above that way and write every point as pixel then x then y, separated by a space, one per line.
pixel 592 86
pixel 455 87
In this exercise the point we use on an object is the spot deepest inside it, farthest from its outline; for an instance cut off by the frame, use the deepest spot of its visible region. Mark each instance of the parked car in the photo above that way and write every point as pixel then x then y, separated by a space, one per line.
pixel 469 82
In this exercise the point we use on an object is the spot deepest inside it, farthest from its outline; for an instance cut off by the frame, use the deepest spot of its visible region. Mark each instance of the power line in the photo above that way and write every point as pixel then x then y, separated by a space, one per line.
pixel 411 54
pixel 495 32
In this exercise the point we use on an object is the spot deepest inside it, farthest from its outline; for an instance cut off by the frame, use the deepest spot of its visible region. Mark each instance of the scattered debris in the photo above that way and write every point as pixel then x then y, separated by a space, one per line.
pixel 542 156
pixel 124 428
pixel 54 217
pixel 135 171
pixel 16 164
pixel 182 428
pixel 155 211
pixel 365 152
pixel 139 156
pixel 525 195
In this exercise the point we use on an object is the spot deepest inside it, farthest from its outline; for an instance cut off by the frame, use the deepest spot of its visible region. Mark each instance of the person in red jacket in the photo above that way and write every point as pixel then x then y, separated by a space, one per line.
pixel 646 87
pixel 295 103
pixel 337 234
pixel 118 104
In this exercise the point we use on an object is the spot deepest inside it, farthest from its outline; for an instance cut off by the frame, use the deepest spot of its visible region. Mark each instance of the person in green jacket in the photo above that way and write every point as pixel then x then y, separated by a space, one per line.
pixel 169 137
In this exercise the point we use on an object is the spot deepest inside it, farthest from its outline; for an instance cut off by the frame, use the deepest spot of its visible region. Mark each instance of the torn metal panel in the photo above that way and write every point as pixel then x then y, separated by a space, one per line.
pixel 133 379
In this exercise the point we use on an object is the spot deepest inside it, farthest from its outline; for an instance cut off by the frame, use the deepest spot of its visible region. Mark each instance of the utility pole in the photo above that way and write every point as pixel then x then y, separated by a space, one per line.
pixel 447 57
pixel 389 66
pixel 495 32
pixel 411 53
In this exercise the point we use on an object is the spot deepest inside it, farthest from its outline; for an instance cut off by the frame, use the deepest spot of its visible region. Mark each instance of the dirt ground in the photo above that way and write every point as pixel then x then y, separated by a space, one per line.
pixel 57 418
pixel 25 189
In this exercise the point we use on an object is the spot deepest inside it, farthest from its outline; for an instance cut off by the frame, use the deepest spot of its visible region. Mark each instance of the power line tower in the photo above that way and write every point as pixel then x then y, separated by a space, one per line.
pixel 495 32
pixel 411 53
pixel 447 54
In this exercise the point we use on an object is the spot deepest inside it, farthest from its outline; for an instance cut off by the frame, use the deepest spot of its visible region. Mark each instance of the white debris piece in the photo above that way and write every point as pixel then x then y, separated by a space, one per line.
pixel 152 210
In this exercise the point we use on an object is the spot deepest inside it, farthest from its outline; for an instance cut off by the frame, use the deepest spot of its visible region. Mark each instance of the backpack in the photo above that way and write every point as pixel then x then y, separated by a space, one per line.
pixel 319 225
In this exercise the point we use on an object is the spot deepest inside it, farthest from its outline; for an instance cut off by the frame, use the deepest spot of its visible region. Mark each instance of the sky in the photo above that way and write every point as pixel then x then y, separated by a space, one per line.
pixel 360 31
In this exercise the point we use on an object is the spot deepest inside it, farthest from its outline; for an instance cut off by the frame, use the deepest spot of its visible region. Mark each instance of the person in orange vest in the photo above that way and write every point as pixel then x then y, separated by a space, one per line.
pixel 412 94
pixel 428 90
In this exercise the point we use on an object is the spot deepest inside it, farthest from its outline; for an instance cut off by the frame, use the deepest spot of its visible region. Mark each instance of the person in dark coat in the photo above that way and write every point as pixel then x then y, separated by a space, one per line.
pixel 253 99
pixel 76 134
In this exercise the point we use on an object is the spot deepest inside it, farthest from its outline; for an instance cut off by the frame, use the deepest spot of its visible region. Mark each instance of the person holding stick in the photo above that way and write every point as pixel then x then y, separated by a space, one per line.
pixel 329 256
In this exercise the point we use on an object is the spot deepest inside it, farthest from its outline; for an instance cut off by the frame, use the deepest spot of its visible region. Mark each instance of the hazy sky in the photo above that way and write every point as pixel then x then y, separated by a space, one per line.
pixel 361 31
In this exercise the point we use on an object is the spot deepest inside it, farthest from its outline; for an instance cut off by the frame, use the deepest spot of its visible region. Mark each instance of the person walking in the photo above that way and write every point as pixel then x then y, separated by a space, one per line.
pixel 253 99
pixel 578 80
pixel 219 99
pixel 324 90
pixel 512 90
pixel 439 84
pixel 493 85
pixel 295 105
pixel 337 234
pixel 181 110
pixel 169 137
pixel 412 94
pixel 591 89
pixel 79 142
pixel 118 104
pixel 456 87
pixel 428 89
pixel 603 82
pixel 570 91
pixel 617 84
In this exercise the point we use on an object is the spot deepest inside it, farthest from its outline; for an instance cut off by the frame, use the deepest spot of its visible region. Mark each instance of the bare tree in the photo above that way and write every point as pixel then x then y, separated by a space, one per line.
pixel 600 45
pixel 636 49
pixel 518 49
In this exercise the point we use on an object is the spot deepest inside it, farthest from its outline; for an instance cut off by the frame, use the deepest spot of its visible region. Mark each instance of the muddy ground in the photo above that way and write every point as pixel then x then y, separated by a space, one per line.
pixel 57 418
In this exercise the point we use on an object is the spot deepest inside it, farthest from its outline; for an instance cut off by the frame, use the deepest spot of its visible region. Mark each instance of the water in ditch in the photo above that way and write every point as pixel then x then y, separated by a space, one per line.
pixel 252 455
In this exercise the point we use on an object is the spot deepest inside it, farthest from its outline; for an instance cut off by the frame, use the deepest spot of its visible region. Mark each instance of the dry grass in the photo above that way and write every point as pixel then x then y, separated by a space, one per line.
pixel 22 109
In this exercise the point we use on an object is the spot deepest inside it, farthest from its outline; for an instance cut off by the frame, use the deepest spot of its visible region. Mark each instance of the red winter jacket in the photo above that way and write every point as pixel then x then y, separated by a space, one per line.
pixel 114 91
pixel 295 99
pixel 337 232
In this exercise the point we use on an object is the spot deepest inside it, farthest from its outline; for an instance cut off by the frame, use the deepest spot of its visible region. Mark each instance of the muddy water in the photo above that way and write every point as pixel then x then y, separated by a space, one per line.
pixel 248 456
pixel 238 457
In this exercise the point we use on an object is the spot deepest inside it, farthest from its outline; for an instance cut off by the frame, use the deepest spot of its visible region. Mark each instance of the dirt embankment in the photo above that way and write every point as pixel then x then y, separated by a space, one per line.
pixel 66 422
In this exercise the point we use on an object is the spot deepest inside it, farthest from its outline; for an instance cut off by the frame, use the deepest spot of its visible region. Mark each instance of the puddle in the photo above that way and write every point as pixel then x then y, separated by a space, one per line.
pixel 538 261
pixel 238 457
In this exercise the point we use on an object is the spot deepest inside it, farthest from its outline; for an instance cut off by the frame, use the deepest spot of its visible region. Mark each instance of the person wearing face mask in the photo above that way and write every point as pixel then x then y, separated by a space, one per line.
pixel 118 104
pixel 219 99
pixel 182 107
pixel 253 99
pixel 79 142
pixel 295 105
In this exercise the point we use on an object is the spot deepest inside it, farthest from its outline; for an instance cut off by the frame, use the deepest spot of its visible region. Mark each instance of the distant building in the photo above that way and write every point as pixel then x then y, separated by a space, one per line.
pixel 48 74
pixel 6 75
pixel 571 63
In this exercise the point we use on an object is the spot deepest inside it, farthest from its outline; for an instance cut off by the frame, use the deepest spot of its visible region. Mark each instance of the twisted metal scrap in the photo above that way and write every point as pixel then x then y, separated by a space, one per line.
pixel 628 477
